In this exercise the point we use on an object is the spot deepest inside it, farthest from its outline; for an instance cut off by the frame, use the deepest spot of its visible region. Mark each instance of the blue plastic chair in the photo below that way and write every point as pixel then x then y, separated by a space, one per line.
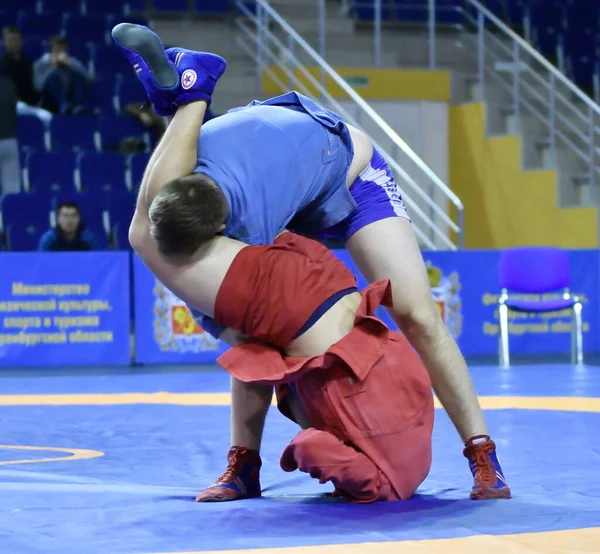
pixel 104 7
pixel 537 270
pixel 30 133
pixel 24 236
pixel 37 25
pixel 88 28
pixel 61 6
pixel 137 166
pixel 102 173
pixel 19 207
pixel 51 173
pixel 170 6
pixel 73 133
pixel 115 128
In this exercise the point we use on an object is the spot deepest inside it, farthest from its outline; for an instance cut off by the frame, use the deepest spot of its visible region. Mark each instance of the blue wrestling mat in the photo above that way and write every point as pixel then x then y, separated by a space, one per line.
pixel 109 463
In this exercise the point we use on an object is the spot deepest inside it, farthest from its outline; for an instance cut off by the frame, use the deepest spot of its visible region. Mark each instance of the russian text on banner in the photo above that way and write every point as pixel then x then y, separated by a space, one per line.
pixel 64 309
pixel 465 288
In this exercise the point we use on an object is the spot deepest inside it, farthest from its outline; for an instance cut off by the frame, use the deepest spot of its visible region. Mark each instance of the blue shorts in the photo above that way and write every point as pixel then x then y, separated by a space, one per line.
pixel 377 197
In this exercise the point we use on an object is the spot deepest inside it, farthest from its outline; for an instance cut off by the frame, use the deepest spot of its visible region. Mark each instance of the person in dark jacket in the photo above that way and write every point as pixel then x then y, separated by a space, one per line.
pixel 70 233
pixel 18 68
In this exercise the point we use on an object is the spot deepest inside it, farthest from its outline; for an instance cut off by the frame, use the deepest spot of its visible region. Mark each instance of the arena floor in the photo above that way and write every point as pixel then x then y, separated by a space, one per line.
pixel 108 462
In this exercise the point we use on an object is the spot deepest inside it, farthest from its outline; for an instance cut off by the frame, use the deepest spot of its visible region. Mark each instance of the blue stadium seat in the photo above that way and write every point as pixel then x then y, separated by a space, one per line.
pixel 137 166
pixel 72 133
pixel 547 23
pixel 410 11
pixel 102 173
pixel 33 48
pixel 121 207
pixel 103 7
pixel 30 6
pixel 23 157
pixel 80 49
pixel 515 13
pixel 212 7
pixel 110 61
pixel 91 28
pixel 120 236
pixel 61 6
pixel 546 40
pixel 100 234
pixel 581 70
pixel 582 14
pixel 30 133
pixel 130 91
pixel 101 94
pixel 581 42
pixel 51 173
pixel 137 6
pixel 25 235
pixel 41 26
pixel 448 12
pixel 8 16
pixel 170 6
pixel 364 10
pixel 116 18
pixel 22 206
pixel 113 129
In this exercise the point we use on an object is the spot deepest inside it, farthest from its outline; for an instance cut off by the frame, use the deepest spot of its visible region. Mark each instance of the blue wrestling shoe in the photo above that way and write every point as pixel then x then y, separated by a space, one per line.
pixel 240 480
pixel 146 53
pixel 199 73
pixel 490 482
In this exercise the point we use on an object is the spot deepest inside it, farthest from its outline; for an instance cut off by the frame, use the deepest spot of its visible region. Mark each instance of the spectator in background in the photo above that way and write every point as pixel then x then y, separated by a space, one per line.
pixel 10 167
pixel 70 233
pixel 20 70
pixel 146 115
pixel 61 79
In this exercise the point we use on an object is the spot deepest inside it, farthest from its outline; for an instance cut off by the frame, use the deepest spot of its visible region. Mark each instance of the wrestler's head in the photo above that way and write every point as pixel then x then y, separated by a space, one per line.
pixel 187 213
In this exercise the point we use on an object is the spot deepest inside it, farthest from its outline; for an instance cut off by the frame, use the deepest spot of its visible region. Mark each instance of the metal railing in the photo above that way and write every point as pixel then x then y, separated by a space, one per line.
pixel 565 118
pixel 267 37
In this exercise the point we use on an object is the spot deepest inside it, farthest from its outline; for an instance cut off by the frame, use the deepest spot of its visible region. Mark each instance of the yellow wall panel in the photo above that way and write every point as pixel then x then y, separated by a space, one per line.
pixel 504 205
pixel 372 84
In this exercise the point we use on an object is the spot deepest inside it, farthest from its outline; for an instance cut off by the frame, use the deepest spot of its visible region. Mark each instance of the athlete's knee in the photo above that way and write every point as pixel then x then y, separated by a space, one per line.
pixel 421 323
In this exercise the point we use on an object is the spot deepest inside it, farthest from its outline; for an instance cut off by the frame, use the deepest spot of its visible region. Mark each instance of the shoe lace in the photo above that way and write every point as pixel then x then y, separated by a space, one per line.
pixel 233 462
pixel 485 472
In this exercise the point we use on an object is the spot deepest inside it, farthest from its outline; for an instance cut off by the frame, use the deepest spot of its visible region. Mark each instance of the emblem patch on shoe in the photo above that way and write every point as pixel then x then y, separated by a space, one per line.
pixel 188 79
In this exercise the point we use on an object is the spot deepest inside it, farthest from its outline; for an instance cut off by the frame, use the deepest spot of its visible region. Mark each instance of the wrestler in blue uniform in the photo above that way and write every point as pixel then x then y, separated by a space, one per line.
pixel 285 163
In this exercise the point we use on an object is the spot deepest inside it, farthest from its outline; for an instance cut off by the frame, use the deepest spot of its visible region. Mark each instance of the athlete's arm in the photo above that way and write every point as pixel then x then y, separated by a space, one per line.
pixel 197 281
pixel 175 156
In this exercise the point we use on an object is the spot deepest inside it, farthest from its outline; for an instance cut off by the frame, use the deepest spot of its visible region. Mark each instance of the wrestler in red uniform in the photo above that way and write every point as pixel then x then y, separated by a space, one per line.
pixel 366 393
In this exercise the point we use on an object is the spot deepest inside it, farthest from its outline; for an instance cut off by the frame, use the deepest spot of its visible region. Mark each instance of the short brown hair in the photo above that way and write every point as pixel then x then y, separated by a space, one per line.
pixel 11 29
pixel 187 213
pixel 58 40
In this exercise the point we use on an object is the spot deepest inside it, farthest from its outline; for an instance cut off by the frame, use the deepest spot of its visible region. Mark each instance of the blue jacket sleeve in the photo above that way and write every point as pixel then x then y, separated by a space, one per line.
pixel 90 238
pixel 46 241
pixel 210 325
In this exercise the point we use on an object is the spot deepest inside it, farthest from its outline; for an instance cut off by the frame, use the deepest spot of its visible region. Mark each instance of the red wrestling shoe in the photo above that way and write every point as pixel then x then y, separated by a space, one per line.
pixel 490 482
pixel 240 480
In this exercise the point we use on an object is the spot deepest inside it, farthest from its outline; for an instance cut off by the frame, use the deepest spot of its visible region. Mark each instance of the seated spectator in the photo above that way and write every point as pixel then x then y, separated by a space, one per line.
pixel 61 79
pixel 146 115
pixel 70 233
pixel 14 66
pixel 10 167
